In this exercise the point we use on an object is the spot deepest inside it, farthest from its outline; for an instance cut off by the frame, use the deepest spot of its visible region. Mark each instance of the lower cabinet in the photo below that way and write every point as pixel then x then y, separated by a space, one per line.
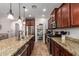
pixel 26 49
pixel 57 50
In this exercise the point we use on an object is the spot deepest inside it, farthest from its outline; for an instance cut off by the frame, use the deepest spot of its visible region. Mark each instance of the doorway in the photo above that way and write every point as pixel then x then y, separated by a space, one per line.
pixel 40 32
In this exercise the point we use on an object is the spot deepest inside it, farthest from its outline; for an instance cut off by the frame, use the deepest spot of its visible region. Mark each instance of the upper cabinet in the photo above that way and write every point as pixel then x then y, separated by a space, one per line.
pixel 75 14
pixel 52 21
pixel 65 15
pixel 30 22
pixel 53 14
pixel 49 23
pixel 59 18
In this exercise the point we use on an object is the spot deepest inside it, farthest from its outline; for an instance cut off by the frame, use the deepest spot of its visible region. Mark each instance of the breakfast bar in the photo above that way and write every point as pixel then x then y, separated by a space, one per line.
pixel 11 46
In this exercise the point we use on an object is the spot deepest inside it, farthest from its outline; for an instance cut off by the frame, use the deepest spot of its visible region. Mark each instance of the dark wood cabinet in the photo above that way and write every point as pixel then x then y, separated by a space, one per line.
pixel 49 23
pixel 26 49
pixel 52 23
pixel 53 14
pixel 30 21
pixel 53 19
pixel 57 50
pixel 74 14
pixel 65 15
pixel 59 18
pixel 64 52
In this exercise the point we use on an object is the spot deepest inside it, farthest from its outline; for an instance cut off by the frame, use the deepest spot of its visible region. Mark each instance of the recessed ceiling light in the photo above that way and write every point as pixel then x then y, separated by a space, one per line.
pixel 30 15
pixel 44 9
pixel 26 9
pixel 43 15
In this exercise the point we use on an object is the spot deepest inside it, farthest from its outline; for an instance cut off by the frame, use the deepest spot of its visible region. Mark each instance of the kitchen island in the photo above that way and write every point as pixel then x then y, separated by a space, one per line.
pixel 11 46
pixel 69 48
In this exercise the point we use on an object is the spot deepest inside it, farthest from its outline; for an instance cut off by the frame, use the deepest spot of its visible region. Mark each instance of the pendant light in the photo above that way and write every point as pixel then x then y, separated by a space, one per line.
pixel 19 18
pixel 24 15
pixel 10 15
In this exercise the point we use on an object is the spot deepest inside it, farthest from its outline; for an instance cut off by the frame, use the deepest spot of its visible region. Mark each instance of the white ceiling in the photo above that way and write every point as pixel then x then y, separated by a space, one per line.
pixel 4 9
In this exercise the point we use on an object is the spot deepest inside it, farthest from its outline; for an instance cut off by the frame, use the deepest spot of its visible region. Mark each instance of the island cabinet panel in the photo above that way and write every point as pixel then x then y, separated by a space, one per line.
pixel 52 47
pixel 26 49
pixel 57 50
pixel 59 18
pixel 75 14
pixel 64 52
pixel 65 15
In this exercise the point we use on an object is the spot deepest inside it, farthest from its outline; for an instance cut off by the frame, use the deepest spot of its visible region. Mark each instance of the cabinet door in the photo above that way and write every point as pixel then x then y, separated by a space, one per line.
pixel 75 14
pixel 59 19
pixel 64 52
pixel 52 48
pixel 49 23
pixel 28 23
pixel 66 15
pixel 53 18
pixel 32 23
pixel 53 14
pixel 57 49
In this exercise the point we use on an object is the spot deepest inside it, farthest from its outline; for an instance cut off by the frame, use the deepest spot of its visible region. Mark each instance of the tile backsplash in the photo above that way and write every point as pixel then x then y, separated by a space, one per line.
pixel 73 32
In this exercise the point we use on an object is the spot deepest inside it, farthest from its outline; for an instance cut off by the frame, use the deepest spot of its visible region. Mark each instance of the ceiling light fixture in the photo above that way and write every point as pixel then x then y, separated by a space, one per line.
pixel 10 15
pixel 26 9
pixel 24 15
pixel 44 9
pixel 19 18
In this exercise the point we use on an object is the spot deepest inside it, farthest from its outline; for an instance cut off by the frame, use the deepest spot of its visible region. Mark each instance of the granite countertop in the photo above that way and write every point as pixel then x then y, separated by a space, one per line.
pixel 10 46
pixel 71 45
